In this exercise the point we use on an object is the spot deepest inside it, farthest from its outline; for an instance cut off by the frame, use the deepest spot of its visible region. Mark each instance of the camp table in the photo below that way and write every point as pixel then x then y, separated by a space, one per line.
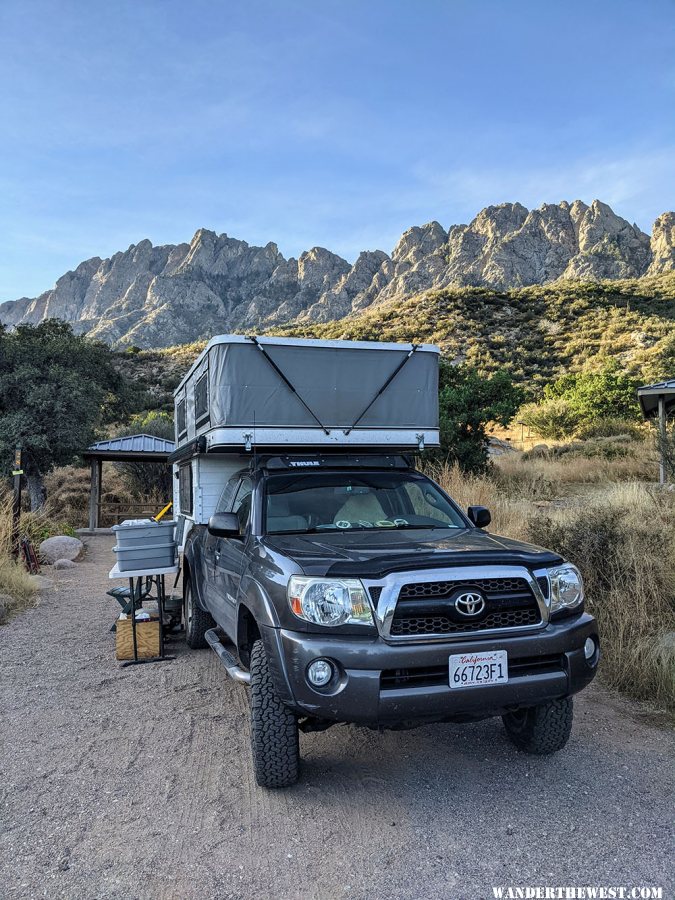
pixel 137 594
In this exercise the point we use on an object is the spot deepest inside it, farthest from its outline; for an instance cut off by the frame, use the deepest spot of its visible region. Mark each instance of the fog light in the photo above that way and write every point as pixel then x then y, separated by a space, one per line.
pixel 589 649
pixel 319 672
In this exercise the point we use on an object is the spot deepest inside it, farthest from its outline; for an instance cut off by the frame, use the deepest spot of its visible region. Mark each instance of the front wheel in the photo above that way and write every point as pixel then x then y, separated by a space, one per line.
pixel 274 728
pixel 541 729
pixel 197 622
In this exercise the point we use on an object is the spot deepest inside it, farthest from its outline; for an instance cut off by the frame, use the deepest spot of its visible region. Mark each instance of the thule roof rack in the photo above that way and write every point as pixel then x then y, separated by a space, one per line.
pixel 332 461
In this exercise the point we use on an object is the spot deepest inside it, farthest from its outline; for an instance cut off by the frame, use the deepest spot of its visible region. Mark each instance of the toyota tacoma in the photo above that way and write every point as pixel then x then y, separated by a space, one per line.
pixel 353 589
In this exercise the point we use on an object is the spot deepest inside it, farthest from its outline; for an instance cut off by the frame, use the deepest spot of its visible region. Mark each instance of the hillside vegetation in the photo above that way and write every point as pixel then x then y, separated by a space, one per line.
pixel 535 333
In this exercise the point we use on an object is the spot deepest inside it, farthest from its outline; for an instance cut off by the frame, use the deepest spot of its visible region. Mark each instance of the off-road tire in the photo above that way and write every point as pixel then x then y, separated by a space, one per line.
pixel 197 622
pixel 541 729
pixel 274 728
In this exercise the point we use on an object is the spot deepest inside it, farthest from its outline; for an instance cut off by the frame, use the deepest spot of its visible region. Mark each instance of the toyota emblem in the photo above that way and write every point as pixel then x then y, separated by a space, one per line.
pixel 470 604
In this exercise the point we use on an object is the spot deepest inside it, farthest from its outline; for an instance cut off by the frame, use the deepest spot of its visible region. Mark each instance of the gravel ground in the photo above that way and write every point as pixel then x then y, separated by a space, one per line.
pixel 137 783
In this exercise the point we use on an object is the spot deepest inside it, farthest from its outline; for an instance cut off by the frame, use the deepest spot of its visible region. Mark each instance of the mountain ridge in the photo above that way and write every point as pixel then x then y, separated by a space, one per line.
pixel 157 296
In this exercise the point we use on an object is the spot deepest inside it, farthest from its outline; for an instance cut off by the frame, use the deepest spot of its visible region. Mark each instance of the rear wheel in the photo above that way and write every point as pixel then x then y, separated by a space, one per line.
pixel 197 622
pixel 541 729
pixel 274 728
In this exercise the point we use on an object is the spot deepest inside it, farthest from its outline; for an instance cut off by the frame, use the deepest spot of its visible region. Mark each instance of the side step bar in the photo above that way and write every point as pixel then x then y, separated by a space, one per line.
pixel 234 670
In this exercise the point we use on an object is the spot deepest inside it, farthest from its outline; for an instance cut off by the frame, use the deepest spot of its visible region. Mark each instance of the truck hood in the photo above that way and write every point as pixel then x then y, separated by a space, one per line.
pixel 374 554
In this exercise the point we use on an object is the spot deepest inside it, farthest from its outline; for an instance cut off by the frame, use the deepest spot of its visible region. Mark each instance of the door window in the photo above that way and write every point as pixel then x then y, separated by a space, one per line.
pixel 242 502
pixel 227 496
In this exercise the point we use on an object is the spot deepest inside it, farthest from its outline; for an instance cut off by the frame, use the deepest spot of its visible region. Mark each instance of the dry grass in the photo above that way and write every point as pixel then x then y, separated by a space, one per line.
pixel 68 494
pixel 509 515
pixel 15 583
pixel 622 537
pixel 592 462
pixel 623 541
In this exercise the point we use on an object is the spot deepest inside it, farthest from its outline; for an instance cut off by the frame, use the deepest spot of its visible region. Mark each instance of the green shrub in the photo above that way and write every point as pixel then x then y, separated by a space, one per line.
pixel 552 419
pixel 468 401
pixel 595 396
pixel 611 427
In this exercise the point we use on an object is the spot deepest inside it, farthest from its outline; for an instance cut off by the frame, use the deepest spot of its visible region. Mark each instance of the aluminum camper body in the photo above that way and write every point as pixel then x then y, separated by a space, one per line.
pixel 286 392
pixel 247 395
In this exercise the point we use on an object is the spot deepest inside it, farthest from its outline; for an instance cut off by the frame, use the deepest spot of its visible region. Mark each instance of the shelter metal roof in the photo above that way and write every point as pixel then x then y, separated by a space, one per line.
pixel 649 394
pixel 139 446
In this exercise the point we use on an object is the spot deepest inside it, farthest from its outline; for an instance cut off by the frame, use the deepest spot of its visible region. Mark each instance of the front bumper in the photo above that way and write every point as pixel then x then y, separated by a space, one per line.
pixel 384 684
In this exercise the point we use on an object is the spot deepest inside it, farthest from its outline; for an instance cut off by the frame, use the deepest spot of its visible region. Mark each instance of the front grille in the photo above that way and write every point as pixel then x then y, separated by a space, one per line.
pixel 411 625
pixel 431 676
pixel 443 588
pixel 427 608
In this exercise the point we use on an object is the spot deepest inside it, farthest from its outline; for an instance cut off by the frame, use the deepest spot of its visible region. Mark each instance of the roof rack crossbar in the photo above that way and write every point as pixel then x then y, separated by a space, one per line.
pixel 287 382
pixel 383 388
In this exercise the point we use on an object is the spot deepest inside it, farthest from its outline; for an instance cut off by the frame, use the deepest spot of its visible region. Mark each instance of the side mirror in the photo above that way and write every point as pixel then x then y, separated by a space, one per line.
pixel 480 516
pixel 224 525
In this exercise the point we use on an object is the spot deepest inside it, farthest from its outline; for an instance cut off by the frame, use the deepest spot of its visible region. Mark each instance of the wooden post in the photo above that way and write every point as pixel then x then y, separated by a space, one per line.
pixel 17 472
pixel 662 438
pixel 95 493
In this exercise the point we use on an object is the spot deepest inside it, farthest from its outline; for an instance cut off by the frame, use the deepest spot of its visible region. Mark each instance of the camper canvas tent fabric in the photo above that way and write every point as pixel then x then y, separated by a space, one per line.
pixel 310 392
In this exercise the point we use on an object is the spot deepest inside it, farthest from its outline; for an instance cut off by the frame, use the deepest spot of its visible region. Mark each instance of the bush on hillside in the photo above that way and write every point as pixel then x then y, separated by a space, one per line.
pixel 551 419
pixel 468 401
pixel 596 396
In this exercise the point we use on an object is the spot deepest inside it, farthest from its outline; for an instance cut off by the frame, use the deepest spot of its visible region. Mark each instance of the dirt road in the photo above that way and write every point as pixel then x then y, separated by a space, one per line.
pixel 137 783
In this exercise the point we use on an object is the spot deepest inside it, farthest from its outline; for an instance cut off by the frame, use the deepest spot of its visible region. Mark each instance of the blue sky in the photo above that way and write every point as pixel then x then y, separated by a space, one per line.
pixel 337 124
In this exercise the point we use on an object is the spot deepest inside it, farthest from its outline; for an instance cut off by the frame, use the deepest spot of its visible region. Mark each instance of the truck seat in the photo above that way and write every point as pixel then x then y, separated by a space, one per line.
pixel 364 507
pixel 280 516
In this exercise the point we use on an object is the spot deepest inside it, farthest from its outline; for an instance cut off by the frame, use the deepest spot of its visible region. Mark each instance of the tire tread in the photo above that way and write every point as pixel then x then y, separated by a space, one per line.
pixel 274 728
pixel 546 729
pixel 201 623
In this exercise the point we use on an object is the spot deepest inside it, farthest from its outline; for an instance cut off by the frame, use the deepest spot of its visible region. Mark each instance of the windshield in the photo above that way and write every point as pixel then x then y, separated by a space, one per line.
pixel 347 501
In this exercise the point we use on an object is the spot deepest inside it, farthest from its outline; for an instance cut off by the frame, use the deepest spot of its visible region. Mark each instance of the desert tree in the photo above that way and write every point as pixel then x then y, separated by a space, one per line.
pixel 56 389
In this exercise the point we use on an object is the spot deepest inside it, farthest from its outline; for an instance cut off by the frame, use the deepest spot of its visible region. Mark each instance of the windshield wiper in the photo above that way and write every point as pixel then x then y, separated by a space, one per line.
pixel 424 527
pixel 358 527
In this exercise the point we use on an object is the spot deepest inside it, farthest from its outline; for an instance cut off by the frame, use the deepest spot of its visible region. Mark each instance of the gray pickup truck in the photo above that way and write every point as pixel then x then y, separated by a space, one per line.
pixel 352 589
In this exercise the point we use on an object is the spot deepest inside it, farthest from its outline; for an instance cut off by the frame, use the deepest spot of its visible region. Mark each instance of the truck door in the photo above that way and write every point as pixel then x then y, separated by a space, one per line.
pixel 230 559
pixel 212 546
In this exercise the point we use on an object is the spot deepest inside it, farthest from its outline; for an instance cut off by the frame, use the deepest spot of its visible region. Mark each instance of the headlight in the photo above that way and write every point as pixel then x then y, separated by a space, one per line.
pixel 567 588
pixel 329 601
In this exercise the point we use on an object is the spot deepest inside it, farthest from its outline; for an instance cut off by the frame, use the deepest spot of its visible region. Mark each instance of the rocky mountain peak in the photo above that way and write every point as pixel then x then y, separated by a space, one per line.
pixel 156 296
pixel 663 245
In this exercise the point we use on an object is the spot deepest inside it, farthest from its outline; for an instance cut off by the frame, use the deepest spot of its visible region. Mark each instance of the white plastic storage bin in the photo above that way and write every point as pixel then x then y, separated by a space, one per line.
pixel 149 557
pixel 142 531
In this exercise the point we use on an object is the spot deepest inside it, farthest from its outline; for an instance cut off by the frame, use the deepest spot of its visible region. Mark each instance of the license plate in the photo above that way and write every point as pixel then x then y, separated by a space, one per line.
pixel 476 669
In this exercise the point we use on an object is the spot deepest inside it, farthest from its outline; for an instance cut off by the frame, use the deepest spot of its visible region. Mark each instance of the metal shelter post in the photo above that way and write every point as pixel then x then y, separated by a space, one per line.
pixel 95 493
pixel 662 439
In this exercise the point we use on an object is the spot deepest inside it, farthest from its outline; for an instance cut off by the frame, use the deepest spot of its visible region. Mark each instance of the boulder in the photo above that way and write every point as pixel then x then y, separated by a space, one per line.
pixel 61 547
pixel 64 564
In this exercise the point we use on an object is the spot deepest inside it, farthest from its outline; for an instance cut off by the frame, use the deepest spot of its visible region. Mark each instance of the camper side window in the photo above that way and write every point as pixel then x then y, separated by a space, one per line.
pixel 185 489
pixel 202 399
pixel 181 420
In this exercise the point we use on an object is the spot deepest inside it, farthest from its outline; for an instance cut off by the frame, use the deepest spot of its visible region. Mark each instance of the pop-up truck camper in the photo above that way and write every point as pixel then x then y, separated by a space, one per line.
pixel 336 581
